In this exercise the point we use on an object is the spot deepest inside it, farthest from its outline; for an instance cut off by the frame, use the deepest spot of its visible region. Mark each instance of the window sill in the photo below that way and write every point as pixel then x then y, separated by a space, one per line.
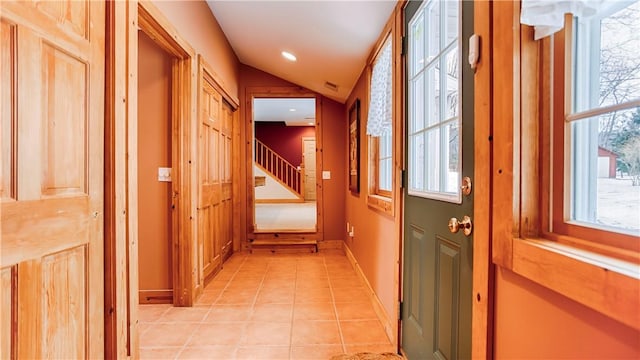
pixel 605 284
pixel 381 203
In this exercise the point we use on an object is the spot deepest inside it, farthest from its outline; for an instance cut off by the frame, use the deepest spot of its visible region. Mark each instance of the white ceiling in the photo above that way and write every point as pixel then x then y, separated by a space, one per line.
pixel 331 39
pixel 280 109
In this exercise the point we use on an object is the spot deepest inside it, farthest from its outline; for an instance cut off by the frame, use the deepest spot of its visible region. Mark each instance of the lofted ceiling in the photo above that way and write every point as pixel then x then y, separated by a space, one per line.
pixel 291 111
pixel 331 39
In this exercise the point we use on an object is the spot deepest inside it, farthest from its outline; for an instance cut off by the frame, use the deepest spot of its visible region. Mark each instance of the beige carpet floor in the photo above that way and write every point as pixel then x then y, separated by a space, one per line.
pixel 283 216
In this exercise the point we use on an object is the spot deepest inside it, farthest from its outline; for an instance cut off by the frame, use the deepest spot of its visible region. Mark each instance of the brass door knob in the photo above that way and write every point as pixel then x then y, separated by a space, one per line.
pixel 465 224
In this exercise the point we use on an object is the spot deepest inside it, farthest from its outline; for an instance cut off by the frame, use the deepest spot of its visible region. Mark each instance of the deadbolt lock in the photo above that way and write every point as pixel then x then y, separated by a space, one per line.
pixel 466 186
pixel 465 224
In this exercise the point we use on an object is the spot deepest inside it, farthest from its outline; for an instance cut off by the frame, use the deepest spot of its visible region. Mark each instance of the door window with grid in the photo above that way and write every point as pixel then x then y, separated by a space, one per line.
pixel 434 115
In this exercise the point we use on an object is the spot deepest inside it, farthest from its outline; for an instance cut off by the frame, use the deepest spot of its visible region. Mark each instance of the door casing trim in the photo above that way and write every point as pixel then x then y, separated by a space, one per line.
pixel 280 92
pixel 121 278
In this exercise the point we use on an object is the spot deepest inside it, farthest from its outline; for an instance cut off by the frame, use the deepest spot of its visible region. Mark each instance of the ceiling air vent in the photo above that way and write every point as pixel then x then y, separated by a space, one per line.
pixel 331 86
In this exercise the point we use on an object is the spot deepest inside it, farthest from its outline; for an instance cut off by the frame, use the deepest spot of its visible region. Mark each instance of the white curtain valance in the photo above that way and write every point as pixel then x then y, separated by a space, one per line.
pixel 380 98
pixel 547 16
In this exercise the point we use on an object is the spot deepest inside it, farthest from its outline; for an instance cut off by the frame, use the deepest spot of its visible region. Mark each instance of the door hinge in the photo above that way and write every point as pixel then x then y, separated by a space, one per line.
pixel 403 50
pixel 403 178
pixel 400 310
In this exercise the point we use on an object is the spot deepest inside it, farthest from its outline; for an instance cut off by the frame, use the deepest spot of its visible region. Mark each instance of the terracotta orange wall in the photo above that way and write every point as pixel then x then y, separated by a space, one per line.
pixel 334 157
pixel 374 243
pixel 154 150
pixel 532 321
pixel 334 154
pixel 196 24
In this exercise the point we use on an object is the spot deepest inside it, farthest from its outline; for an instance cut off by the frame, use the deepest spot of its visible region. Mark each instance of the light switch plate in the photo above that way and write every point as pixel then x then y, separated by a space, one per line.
pixel 164 174
pixel 326 175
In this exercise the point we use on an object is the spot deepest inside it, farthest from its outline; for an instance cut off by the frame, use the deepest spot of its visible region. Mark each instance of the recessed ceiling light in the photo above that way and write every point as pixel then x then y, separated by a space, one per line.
pixel 292 109
pixel 310 123
pixel 289 56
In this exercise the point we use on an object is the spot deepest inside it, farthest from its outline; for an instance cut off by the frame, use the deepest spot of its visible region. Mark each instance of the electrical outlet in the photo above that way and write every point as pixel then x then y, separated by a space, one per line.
pixel 352 231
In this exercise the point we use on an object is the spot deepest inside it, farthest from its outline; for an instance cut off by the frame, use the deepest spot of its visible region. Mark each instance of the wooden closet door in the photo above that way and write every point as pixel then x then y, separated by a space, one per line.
pixel 210 183
pixel 227 191
pixel 51 179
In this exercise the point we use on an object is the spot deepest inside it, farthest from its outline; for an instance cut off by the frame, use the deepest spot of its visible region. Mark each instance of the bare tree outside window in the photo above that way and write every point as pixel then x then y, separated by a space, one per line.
pixel 620 82
pixel 604 148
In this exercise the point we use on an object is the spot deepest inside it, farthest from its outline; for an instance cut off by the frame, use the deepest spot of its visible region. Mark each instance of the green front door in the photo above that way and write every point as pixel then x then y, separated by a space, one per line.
pixel 437 278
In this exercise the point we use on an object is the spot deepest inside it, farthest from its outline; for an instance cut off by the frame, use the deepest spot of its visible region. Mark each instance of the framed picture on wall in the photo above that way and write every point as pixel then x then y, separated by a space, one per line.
pixel 354 147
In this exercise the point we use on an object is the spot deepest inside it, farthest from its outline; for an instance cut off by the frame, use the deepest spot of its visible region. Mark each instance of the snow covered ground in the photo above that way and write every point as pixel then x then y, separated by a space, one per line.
pixel 619 203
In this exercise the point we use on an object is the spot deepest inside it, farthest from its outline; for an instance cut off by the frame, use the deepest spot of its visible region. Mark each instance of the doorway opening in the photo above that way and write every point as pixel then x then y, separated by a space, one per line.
pixel 125 24
pixel 155 283
pixel 437 261
pixel 180 57
pixel 284 164
pixel 284 237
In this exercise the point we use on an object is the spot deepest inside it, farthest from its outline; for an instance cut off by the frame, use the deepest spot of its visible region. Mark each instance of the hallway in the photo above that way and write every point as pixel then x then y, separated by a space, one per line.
pixel 264 306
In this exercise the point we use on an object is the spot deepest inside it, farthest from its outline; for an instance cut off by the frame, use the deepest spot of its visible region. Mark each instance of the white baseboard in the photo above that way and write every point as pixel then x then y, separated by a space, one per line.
pixel 375 301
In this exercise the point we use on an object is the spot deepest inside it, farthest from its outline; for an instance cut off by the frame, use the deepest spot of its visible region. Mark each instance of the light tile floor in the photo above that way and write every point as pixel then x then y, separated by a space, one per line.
pixel 269 306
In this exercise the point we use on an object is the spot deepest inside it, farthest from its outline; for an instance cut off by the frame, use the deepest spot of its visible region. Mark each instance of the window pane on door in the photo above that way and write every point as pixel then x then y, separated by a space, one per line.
pixel 433 26
pixel 452 134
pixel 434 107
pixel 417 36
pixel 417 103
pixel 417 161
pixel 452 84
pixel 433 160
pixel 451 22
pixel 433 95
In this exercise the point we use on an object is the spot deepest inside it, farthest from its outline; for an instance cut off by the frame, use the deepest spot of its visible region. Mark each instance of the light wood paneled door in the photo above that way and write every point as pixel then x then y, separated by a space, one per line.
pixel 215 171
pixel 227 186
pixel 211 145
pixel 309 161
pixel 51 182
